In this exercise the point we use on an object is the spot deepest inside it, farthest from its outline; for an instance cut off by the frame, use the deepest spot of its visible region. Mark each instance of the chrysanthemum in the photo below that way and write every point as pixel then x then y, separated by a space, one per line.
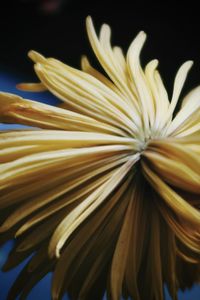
pixel 104 190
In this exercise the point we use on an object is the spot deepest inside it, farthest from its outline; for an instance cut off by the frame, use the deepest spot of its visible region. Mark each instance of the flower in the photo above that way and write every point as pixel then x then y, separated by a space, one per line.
pixel 104 190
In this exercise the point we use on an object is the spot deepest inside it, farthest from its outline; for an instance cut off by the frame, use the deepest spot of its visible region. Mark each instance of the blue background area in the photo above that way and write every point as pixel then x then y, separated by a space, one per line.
pixel 42 290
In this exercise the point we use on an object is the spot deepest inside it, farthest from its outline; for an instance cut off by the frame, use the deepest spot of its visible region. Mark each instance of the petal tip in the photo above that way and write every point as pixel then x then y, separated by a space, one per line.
pixel 88 20
pixel 36 57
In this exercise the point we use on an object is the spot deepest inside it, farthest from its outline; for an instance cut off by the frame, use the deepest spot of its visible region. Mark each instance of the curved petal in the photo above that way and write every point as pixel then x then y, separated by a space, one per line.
pixel 179 206
pixel 14 109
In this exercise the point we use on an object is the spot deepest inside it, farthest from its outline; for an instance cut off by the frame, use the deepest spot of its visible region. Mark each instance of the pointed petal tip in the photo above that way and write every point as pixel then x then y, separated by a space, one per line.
pixel 153 64
pixel 7 100
pixel 84 59
pixel 36 57
pixel 88 20
pixel 19 86
pixel 105 27
pixel 57 253
pixel 141 35
pixel 53 251
pixel 142 32
pixel 137 44
pixel 187 65
pixel 155 61
pixel 20 231
pixel 84 62
pixel 190 62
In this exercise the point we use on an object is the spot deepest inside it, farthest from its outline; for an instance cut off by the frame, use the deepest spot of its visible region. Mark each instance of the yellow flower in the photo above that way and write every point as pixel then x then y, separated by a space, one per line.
pixel 104 190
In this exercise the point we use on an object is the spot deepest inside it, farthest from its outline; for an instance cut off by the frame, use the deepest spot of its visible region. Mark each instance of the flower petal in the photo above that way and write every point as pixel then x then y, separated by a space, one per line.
pixel 172 199
pixel 82 211
pixel 14 109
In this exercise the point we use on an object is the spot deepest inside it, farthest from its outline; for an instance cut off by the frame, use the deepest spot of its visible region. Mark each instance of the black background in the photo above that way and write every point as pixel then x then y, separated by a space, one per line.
pixel 173 30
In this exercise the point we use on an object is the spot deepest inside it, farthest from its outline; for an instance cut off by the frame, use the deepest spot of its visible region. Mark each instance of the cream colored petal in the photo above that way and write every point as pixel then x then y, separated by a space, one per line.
pixel 192 104
pixel 161 90
pixel 83 96
pixel 109 67
pixel 60 204
pixel 25 169
pixel 178 85
pixel 106 215
pixel 112 92
pixel 116 58
pixel 178 205
pixel 157 100
pixel 103 242
pixel 62 139
pixel 79 85
pixel 12 153
pixel 195 129
pixel 87 67
pixel 14 109
pixel 159 94
pixel 174 172
pixel 190 126
pixel 105 42
pixel 74 219
pixel 47 197
pixel 119 55
pixel 183 150
pixel 145 98
pixel 51 177
pixel 73 190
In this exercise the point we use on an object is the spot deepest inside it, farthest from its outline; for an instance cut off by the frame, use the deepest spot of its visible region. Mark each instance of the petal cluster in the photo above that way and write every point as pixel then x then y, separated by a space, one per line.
pixel 105 188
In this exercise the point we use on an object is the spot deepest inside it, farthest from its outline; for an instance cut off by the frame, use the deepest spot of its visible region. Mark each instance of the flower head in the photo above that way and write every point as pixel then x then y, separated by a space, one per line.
pixel 105 188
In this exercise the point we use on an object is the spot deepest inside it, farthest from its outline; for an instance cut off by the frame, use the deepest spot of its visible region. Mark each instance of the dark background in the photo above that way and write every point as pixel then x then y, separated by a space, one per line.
pixel 173 30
